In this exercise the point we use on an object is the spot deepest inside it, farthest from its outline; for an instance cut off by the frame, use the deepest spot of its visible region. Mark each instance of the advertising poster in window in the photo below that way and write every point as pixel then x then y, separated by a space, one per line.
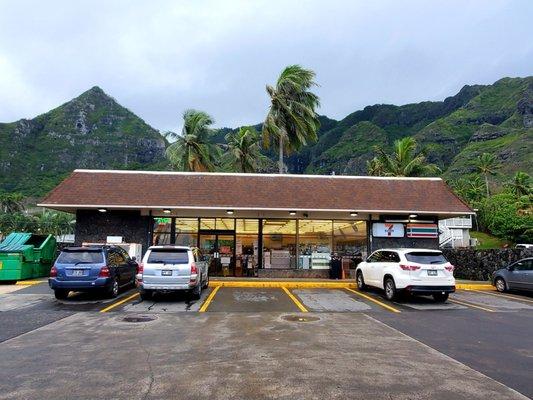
pixel 392 230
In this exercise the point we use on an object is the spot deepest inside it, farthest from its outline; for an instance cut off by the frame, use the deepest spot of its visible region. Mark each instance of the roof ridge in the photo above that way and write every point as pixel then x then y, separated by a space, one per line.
pixel 118 171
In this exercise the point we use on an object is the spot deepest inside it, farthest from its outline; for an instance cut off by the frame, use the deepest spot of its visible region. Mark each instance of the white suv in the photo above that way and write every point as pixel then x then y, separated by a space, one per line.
pixel 172 268
pixel 416 271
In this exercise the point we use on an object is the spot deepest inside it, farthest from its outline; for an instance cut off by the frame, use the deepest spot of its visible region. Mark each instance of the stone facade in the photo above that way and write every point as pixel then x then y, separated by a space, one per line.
pixel 293 273
pixel 480 264
pixel 405 242
pixel 94 227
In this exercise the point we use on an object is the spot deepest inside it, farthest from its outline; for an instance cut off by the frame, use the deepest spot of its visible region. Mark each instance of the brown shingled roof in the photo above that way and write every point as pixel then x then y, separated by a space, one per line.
pixel 138 189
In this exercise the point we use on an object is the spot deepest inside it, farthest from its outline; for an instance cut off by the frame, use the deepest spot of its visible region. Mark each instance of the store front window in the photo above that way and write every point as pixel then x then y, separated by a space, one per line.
pixel 162 231
pixel 247 246
pixel 279 243
pixel 186 231
pixel 315 243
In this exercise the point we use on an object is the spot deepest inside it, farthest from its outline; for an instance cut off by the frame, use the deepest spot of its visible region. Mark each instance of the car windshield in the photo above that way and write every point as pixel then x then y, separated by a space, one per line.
pixel 81 257
pixel 426 257
pixel 168 256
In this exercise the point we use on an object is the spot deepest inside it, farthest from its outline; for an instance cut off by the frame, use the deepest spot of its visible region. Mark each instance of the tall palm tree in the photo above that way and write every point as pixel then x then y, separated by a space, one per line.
pixel 11 202
pixel 520 184
pixel 192 150
pixel 291 121
pixel 486 164
pixel 374 167
pixel 405 160
pixel 244 151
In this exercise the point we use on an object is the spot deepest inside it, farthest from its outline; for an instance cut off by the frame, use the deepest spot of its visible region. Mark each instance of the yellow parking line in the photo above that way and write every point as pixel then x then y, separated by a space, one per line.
pixel 471 305
pixel 295 300
pixel 29 282
pixel 209 299
pixel 118 303
pixel 498 294
pixel 374 301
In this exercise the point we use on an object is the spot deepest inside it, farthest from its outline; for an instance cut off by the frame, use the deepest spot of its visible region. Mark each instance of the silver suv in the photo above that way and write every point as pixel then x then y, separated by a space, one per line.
pixel 172 268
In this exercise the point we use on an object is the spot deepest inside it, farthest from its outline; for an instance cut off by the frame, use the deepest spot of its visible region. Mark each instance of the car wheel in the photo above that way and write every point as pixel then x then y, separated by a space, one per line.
pixel 360 281
pixel 146 295
pixel 206 283
pixel 112 291
pixel 197 292
pixel 390 289
pixel 61 294
pixel 500 284
pixel 440 297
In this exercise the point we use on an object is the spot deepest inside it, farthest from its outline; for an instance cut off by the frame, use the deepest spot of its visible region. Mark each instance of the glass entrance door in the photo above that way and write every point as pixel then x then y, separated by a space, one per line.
pixel 220 250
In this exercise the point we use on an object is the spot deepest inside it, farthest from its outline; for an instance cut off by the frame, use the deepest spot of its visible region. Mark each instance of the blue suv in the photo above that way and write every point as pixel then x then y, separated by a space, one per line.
pixel 104 268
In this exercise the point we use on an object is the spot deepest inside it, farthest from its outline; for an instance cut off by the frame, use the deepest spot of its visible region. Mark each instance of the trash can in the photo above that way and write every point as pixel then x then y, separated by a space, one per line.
pixel 26 255
pixel 335 265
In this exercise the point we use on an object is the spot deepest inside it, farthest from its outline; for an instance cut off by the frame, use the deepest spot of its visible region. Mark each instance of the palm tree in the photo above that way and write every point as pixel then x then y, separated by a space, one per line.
pixel 244 151
pixel 374 167
pixel 405 160
pixel 520 184
pixel 291 121
pixel 486 164
pixel 471 190
pixel 192 150
pixel 11 202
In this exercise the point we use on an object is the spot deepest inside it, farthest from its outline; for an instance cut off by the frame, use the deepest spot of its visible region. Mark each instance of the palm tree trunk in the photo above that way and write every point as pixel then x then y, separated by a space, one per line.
pixel 280 162
pixel 487 185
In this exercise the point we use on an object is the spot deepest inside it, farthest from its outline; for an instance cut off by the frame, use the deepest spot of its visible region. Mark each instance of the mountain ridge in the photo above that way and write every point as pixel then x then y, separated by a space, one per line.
pixel 94 131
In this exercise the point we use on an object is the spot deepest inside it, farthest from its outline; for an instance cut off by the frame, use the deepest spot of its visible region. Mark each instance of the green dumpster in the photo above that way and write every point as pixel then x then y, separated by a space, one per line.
pixel 26 256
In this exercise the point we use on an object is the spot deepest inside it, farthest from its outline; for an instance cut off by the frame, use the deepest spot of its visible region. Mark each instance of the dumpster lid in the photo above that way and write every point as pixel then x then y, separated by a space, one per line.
pixel 15 242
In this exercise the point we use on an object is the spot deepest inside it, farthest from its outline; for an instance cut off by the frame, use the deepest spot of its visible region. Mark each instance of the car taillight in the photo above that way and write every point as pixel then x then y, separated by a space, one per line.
pixel 194 269
pixel 104 272
pixel 53 272
pixel 409 267
pixel 140 268
pixel 450 268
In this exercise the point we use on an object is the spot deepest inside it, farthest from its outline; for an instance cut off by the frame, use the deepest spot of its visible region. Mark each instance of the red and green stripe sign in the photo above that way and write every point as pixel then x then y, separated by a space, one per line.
pixel 422 231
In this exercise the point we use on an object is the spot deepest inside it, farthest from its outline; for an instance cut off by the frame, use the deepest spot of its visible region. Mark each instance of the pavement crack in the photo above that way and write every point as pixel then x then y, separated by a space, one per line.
pixel 150 368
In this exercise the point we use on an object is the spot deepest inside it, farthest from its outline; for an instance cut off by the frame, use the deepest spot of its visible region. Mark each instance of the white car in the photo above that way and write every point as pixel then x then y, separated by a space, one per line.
pixel 172 268
pixel 415 271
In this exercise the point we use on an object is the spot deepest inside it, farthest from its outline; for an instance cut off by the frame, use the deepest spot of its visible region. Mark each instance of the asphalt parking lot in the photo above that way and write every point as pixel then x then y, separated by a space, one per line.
pixel 235 341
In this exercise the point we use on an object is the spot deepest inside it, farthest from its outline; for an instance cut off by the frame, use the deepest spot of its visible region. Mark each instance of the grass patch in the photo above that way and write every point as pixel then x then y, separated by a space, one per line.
pixel 487 241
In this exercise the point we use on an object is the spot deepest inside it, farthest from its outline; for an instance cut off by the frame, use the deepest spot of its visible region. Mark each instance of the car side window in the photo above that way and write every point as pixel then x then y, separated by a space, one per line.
pixel 124 254
pixel 390 256
pixel 114 257
pixel 525 265
pixel 375 257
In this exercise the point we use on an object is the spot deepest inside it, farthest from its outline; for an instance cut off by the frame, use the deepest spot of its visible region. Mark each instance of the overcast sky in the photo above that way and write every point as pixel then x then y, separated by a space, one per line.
pixel 159 58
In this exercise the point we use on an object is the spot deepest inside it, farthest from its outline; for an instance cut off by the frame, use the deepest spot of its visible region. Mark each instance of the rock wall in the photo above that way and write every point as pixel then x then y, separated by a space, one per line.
pixel 480 264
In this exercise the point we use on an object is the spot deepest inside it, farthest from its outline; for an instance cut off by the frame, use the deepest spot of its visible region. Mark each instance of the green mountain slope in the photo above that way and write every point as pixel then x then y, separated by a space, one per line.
pixel 90 131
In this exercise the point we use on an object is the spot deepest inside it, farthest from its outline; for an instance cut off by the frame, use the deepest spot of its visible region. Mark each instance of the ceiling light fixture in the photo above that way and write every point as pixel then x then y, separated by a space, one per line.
pixel 167 211
pixel 353 214
pixel 229 212
pixel 102 210
pixel 292 212
pixel 413 216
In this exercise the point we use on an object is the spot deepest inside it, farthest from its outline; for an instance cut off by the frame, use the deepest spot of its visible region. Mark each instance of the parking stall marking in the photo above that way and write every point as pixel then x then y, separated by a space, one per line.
pixel 498 294
pixel 295 300
pixel 209 299
pixel 118 303
pixel 386 306
pixel 471 305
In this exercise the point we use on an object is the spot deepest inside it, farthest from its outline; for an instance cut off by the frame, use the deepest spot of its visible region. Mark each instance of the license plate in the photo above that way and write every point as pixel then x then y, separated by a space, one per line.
pixel 166 272
pixel 77 272
pixel 432 272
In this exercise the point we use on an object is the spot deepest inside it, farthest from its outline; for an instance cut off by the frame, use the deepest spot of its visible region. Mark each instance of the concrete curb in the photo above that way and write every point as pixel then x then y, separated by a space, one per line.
pixel 320 285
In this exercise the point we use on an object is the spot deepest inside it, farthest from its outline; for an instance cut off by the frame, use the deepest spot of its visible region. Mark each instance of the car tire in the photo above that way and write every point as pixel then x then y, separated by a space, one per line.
pixel 440 297
pixel 146 295
pixel 112 290
pixel 61 294
pixel 501 285
pixel 360 280
pixel 390 289
pixel 196 293
pixel 206 283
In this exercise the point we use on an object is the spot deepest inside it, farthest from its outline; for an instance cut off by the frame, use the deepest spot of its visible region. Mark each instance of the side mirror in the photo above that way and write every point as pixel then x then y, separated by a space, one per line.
pixel 510 268
pixel 134 259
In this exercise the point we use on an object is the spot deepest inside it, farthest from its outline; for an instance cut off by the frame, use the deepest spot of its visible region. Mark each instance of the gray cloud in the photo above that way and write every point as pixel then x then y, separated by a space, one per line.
pixel 159 58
